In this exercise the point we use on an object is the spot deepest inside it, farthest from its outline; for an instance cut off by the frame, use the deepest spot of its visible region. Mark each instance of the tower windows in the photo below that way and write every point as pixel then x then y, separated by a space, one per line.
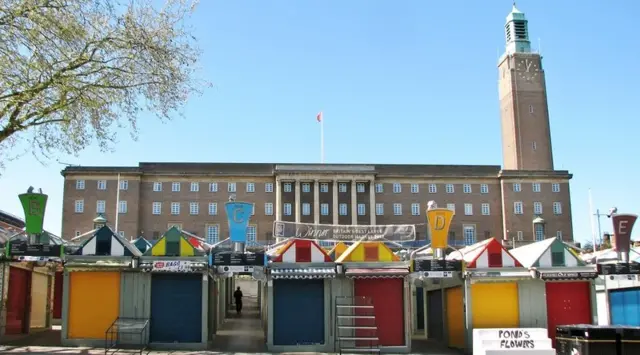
pixel 530 108
pixel 533 146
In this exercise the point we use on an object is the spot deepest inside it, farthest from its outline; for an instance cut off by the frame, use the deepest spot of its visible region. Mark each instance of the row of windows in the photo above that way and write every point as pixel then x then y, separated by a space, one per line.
pixel 101 206
pixel 324 187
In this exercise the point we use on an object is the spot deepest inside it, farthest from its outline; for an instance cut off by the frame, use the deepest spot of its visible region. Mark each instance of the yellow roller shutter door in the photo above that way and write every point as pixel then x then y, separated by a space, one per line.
pixel 495 305
pixel 39 284
pixel 94 301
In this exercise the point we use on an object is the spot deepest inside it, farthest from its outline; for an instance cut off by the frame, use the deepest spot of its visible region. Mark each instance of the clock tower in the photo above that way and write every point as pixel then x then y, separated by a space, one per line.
pixel 526 135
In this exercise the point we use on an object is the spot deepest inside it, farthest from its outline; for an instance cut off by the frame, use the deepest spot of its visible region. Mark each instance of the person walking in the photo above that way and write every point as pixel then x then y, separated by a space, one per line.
pixel 238 297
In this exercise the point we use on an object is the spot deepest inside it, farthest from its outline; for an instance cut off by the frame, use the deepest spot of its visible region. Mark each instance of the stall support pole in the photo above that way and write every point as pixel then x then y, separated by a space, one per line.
pixel 468 316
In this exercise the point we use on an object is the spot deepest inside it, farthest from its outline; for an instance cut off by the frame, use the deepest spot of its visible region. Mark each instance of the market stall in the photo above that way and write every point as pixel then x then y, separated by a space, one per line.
pixel 490 291
pixel 618 293
pixel 179 292
pixel 299 284
pixel 379 275
pixel 142 244
pixel 92 287
pixel 563 291
pixel 337 250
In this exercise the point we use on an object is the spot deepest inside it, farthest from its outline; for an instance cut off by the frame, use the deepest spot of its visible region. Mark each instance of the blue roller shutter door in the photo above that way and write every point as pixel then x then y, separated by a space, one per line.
pixel 176 308
pixel 625 307
pixel 298 312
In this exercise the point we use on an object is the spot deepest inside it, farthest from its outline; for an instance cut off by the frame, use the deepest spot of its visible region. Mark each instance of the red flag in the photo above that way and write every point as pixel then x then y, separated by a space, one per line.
pixel 319 116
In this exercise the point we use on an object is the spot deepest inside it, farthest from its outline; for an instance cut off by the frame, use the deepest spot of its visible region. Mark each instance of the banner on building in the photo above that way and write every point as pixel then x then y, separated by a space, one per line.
pixel 336 232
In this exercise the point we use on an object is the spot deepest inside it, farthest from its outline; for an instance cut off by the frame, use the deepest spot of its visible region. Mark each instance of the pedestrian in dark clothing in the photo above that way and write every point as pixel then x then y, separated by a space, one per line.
pixel 238 296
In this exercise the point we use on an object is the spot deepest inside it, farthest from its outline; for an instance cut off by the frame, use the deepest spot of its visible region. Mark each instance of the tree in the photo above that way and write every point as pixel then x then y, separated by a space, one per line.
pixel 73 70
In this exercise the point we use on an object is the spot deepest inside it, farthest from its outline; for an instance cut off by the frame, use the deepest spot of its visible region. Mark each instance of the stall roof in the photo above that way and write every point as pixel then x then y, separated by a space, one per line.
pixel 429 251
pixel 301 251
pixel 488 253
pixel 142 244
pixel 609 255
pixel 105 242
pixel 337 250
pixel 368 252
pixel 551 252
pixel 173 243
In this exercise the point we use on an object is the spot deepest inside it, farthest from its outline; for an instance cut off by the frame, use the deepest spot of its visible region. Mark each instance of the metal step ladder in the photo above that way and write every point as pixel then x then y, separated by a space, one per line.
pixel 355 325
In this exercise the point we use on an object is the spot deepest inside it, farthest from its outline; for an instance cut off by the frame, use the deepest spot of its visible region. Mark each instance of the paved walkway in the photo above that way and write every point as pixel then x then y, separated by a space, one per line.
pixel 241 333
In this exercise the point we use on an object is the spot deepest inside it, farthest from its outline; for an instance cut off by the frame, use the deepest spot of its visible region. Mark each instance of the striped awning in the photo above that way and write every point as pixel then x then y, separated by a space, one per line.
pixel 357 273
pixel 304 273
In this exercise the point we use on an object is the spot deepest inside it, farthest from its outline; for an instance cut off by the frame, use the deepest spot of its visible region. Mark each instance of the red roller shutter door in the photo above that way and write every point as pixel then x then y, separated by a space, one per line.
pixel 387 295
pixel 567 303
pixel 18 300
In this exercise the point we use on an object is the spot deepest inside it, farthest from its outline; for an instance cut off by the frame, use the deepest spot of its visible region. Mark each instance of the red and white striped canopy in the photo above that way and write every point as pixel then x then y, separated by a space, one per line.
pixel 302 251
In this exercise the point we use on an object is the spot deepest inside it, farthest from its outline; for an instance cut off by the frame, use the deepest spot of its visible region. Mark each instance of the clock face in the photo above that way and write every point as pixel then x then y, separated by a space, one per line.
pixel 528 70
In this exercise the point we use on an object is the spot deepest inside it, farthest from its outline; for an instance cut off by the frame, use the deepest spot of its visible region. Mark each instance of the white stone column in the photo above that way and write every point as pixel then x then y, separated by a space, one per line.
pixel 334 209
pixel 278 199
pixel 372 202
pixel 354 203
pixel 316 201
pixel 297 200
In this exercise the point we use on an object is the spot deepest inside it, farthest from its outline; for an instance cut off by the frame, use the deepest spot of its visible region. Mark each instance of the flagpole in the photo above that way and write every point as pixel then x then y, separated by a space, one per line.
pixel 322 140
pixel 117 203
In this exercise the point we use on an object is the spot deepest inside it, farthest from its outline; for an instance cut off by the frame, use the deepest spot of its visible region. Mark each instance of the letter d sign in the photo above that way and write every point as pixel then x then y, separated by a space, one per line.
pixel 439 222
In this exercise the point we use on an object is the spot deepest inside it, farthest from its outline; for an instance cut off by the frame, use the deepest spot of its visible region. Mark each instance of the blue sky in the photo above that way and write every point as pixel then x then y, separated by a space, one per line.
pixel 399 82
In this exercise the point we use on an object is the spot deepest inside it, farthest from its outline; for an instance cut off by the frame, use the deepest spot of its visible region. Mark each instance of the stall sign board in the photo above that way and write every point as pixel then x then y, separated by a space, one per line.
pixel 568 275
pixel 619 269
pixel 437 265
pixel 172 265
pixel 21 248
pixel 437 274
pixel 238 259
pixel 512 341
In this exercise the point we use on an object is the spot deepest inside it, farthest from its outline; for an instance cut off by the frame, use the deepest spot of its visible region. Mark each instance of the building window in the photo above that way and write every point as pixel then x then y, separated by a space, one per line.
pixel 268 209
pixel 486 209
pixel 102 184
pixel 175 186
pixel 559 235
pixel 517 187
pixel 397 188
pixel 77 233
pixel 415 188
pixel 517 208
pixel 324 187
pixel 397 209
pixel 175 208
pixel 415 209
pixel 287 209
pixel 451 207
pixel 157 186
pixel 212 233
pixel 535 187
pixel 124 184
pixel 251 187
pixel 213 187
pixel 534 146
pixel 557 208
pixel 379 188
pixel 555 187
pixel 156 208
pixel 342 187
pixel 79 184
pixel 362 209
pixel 213 209
pixel 360 187
pixel 539 230
pixel 194 208
pixel 343 209
pixel 449 188
pixel 537 208
pixel 468 209
pixel 484 189
pixel 231 187
pixel 324 209
pixel 100 206
pixel 519 235
pixel 433 188
pixel 306 209
pixel 79 206
pixel 195 187
pixel 268 187
pixel 287 187
pixel 469 233
pixel 466 188
pixel 530 108
pixel 379 209
pixel 122 207
pixel 252 233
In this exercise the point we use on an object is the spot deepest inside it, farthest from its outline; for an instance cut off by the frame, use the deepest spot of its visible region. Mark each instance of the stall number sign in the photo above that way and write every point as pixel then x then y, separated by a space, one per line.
pixel 172 265
pixel 515 339
pixel 438 274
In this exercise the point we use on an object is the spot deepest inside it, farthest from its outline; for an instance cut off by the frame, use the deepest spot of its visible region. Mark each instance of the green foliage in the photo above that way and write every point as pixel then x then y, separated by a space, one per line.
pixel 71 71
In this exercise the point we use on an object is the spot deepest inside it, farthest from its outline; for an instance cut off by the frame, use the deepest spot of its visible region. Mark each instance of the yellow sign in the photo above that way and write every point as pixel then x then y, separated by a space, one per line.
pixel 439 223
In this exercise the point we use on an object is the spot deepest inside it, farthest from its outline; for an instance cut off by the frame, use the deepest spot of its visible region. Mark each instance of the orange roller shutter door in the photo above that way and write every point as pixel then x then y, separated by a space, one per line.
pixel 94 301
